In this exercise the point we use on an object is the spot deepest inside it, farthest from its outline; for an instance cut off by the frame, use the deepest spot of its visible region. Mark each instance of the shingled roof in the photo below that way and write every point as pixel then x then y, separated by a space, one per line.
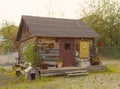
pixel 54 27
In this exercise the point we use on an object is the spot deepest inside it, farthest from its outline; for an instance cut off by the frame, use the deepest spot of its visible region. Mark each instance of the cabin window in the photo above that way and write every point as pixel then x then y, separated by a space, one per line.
pixel 67 46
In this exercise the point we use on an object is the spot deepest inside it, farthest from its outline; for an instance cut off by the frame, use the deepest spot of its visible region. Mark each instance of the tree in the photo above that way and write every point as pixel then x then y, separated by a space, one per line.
pixel 8 31
pixel 104 17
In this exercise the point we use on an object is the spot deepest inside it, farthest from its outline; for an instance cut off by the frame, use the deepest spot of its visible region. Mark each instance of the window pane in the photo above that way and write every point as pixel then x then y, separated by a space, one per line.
pixel 67 46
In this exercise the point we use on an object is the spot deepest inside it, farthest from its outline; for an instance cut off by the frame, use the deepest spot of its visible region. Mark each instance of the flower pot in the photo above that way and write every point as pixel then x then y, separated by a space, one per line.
pixel 59 65
pixel 95 63
pixel 51 45
pixel 100 43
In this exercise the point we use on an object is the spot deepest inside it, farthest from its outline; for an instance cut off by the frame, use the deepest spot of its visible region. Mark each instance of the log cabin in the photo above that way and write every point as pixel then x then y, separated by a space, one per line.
pixel 69 39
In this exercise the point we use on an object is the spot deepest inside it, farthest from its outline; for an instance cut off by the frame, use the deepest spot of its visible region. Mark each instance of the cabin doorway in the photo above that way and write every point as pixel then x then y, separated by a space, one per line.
pixel 67 51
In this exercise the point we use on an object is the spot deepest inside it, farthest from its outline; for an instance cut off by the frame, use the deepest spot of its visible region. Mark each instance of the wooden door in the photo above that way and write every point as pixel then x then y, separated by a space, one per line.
pixel 67 51
pixel 84 49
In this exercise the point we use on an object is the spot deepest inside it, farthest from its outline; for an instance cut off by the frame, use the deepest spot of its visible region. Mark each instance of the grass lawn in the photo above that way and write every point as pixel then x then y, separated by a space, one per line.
pixel 105 80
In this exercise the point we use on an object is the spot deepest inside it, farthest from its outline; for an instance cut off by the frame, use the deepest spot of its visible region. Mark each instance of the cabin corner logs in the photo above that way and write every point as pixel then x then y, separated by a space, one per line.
pixel 50 49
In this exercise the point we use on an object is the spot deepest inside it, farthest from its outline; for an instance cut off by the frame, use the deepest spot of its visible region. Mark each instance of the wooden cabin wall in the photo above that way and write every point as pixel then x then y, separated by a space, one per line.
pixel 26 35
pixel 49 50
pixel 48 54
pixel 92 47
pixel 52 54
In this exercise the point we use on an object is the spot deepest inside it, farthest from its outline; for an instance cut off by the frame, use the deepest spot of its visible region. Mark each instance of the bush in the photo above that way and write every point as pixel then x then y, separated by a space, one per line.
pixel 32 55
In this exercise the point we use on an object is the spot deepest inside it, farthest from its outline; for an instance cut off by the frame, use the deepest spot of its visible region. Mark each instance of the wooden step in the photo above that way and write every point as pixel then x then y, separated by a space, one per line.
pixel 80 71
pixel 52 74
pixel 69 69
pixel 77 74
pixel 63 71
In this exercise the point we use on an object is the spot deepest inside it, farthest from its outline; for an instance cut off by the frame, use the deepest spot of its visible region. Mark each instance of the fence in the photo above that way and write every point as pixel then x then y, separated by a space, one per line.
pixel 7 58
pixel 109 52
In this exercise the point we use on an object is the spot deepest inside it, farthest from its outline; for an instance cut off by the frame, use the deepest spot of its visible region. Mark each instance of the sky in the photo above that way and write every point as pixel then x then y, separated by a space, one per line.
pixel 12 10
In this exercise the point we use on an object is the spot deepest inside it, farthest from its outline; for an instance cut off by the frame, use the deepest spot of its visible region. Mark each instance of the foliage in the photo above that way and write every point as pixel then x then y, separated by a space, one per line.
pixel 8 77
pixel 109 52
pixel 96 59
pixel 59 60
pixel 104 17
pixel 8 31
pixel 27 64
pixel 2 69
pixel 32 55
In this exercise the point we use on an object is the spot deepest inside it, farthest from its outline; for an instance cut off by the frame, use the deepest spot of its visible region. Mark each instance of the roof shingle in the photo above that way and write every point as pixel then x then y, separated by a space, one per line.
pixel 53 27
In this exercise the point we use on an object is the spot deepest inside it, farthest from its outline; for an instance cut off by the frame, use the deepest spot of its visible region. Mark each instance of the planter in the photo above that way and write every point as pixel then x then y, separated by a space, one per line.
pixel 51 45
pixel 59 65
pixel 95 63
pixel 100 43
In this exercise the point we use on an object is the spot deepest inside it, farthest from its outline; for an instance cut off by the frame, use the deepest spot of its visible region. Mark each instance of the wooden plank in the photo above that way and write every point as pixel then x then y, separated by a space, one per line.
pixel 69 71
pixel 51 62
pixel 60 70
pixel 51 59
pixel 50 54
pixel 52 74
pixel 77 74
pixel 65 69
pixel 79 71
pixel 25 39
pixel 51 51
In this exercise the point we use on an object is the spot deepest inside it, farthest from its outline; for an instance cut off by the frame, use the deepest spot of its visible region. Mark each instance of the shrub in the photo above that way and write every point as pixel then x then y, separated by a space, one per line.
pixel 59 60
pixel 32 55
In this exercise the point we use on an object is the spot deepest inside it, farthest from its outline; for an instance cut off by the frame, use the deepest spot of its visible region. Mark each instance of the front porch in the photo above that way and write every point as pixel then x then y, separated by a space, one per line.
pixel 32 73
pixel 63 71
pixel 71 71
pixel 67 71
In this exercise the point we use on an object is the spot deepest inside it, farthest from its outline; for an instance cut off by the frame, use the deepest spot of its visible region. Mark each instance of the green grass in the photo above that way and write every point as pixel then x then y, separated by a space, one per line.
pixel 8 80
pixel 113 69
pixel 8 77
pixel 2 69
